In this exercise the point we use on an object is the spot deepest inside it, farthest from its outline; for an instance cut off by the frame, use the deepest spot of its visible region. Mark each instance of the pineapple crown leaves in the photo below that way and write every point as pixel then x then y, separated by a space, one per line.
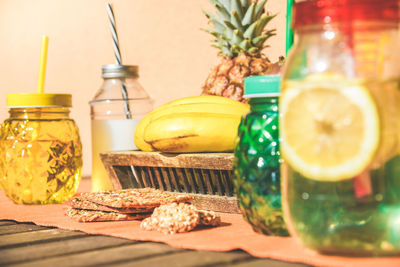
pixel 239 26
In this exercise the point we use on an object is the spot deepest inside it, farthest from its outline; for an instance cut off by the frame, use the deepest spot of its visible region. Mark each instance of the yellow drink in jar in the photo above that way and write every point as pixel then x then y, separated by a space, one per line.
pixel 1 159
pixel 41 155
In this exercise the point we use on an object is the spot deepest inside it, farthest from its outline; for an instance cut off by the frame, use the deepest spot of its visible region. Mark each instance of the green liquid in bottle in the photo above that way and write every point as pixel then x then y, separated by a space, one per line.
pixel 257 168
pixel 360 216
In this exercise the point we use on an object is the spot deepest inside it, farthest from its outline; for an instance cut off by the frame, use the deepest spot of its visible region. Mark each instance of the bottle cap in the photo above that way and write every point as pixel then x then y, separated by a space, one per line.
pixel 119 71
pixel 39 100
pixel 262 86
pixel 344 11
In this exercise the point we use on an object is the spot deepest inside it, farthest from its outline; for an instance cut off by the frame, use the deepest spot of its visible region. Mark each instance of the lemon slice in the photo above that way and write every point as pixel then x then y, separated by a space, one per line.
pixel 329 128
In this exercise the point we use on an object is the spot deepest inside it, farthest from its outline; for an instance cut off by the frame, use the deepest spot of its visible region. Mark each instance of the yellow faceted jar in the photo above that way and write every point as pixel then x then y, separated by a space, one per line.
pixel 41 150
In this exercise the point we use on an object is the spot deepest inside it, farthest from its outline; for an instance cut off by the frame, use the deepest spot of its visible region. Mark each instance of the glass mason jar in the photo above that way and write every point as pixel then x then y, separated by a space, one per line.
pixel 1 159
pixel 41 151
pixel 257 160
pixel 115 110
pixel 340 128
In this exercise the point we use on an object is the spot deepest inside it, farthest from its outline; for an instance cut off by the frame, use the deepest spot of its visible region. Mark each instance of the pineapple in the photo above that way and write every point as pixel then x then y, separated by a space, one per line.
pixel 240 35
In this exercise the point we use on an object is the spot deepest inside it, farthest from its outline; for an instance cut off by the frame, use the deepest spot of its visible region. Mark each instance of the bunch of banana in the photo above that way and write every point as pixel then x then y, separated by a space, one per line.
pixel 191 124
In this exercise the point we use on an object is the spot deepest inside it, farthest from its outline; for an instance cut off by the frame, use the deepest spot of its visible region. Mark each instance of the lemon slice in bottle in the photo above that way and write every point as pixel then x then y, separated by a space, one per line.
pixel 329 128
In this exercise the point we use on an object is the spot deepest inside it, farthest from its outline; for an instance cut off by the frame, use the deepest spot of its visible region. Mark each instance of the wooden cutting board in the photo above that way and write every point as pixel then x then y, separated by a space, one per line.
pixel 208 177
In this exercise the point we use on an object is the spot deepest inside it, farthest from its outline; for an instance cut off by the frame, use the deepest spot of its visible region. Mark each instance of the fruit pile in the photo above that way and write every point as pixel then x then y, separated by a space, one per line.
pixel 191 124
pixel 240 34
pixel 209 123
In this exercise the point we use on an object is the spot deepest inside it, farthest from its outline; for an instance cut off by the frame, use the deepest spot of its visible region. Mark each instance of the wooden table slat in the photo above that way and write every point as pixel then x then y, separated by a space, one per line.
pixel 36 237
pixel 7 222
pixel 106 256
pixel 25 244
pixel 19 228
pixel 56 248
pixel 189 258
pixel 264 263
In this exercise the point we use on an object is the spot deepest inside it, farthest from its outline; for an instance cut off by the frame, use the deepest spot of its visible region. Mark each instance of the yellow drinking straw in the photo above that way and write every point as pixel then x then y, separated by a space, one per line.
pixel 42 66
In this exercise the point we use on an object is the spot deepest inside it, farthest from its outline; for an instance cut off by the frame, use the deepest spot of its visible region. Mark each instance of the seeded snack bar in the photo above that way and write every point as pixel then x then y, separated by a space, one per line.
pixel 80 215
pixel 209 218
pixel 172 218
pixel 133 198
pixel 79 202
pixel 178 218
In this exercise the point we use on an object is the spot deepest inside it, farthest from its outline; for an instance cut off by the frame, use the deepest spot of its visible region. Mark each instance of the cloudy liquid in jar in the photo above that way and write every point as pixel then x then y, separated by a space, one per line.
pixel 41 159
pixel 109 135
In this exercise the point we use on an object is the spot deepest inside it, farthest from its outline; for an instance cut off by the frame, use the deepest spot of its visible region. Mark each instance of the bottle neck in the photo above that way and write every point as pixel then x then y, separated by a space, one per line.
pixel 264 104
pixel 122 78
pixel 39 113
pixel 116 80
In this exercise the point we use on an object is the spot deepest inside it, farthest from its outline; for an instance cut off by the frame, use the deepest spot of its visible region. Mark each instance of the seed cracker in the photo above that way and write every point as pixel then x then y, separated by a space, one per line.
pixel 81 215
pixel 79 202
pixel 134 198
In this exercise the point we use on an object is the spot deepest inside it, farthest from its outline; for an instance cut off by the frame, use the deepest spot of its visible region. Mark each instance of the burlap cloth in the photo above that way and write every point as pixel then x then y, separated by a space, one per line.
pixel 234 234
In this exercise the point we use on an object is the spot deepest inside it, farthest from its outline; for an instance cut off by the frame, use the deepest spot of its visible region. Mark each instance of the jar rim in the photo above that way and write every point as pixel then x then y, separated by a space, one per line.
pixel 313 12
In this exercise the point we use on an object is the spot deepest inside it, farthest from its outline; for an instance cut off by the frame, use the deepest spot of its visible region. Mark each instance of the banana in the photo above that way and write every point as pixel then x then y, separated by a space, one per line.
pixel 202 103
pixel 204 99
pixel 193 132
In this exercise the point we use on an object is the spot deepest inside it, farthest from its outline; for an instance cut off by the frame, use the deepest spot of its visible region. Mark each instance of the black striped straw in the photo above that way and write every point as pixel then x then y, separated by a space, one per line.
pixel 118 57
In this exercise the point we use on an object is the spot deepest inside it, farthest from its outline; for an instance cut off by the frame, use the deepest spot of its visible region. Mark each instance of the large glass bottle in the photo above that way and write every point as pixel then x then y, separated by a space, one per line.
pixel 257 159
pixel 340 127
pixel 40 149
pixel 117 107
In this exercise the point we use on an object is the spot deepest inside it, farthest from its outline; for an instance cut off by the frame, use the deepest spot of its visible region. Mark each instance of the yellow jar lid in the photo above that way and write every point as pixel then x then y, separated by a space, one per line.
pixel 39 100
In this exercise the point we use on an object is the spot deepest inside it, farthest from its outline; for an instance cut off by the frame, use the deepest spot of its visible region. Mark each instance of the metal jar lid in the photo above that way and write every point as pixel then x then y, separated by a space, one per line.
pixel 119 71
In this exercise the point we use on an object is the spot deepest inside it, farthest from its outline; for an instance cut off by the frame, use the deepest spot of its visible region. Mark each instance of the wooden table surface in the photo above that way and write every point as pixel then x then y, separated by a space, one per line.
pixel 26 244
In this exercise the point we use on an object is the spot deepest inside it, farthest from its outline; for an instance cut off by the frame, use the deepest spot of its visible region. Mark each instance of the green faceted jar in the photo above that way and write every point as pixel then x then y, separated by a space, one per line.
pixel 257 160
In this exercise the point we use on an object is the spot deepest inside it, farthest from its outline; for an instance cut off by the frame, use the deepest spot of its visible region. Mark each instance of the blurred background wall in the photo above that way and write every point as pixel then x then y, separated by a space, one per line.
pixel 163 37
